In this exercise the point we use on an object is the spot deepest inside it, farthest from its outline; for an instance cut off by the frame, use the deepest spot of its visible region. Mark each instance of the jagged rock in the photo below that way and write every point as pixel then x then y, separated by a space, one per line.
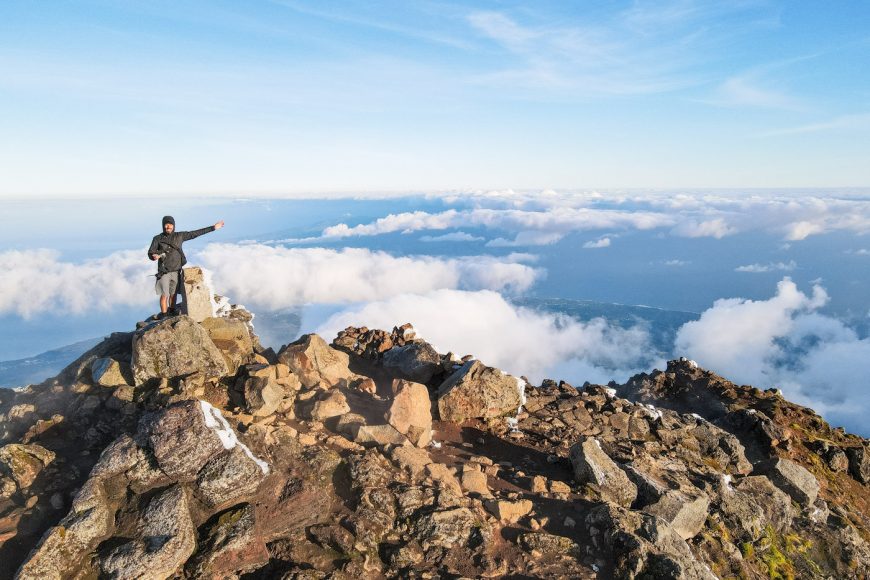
pixel 443 476
pixel 411 460
pixel 416 361
pixel 686 515
pixel 232 338
pixel 475 481
pixel 116 345
pixel 592 465
pixel 180 440
pixel 410 412
pixel 332 536
pixel 639 545
pixel 447 528
pixel 263 394
pixel 166 538
pixel 315 362
pixel 775 506
pixel 793 479
pixel 859 463
pixel 63 547
pixel 379 435
pixel 227 478
pixel 507 510
pixel 477 391
pixel 23 463
pixel 107 372
pixel 229 545
pixel 174 348
pixel 546 545
pixel 333 405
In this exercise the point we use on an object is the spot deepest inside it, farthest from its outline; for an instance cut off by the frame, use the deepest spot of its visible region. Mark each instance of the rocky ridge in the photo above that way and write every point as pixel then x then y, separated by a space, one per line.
pixel 186 449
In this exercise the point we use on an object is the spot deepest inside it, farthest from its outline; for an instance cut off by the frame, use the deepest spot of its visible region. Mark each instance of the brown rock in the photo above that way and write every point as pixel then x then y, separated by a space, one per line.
pixel 410 412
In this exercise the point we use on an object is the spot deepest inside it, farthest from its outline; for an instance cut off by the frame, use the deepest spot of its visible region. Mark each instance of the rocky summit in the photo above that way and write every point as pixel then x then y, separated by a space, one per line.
pixel 185 449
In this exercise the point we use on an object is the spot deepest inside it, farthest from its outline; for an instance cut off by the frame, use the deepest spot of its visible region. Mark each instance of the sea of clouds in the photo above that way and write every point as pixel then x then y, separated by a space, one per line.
pixel 462 304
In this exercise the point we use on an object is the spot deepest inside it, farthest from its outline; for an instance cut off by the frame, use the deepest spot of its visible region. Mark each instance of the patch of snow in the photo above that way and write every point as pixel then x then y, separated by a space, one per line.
pixel 653 411
pixel 409 333
pixel 692 364
pixel 610 392
pixel 215 421
pixel 594 568
pixel 435 444
pixel 726 482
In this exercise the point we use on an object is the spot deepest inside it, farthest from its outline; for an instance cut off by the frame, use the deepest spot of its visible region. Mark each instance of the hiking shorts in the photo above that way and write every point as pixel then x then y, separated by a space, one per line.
pixel 166 284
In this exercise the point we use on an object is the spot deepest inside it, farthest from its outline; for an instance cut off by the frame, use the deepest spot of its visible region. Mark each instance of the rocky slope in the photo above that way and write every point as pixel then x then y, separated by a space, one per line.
pixel 185 449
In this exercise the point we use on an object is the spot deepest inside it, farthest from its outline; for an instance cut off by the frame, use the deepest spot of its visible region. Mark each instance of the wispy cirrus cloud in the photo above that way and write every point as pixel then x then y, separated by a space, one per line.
pixel 771 267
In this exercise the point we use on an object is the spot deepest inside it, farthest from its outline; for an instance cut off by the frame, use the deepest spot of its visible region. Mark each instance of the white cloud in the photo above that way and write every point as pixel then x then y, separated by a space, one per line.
pixel 772 267
pixel 515 339
pixel 716 228
pixel 452 237
pixel 676 263
pixel 785 342
pixel 530 238
pixel 276 277
pixel 802 230
pixel 599 243
pixel 35 281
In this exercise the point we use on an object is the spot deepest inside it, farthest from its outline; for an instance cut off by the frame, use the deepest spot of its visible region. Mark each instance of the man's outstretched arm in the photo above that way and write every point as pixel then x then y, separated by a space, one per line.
pixel 196 233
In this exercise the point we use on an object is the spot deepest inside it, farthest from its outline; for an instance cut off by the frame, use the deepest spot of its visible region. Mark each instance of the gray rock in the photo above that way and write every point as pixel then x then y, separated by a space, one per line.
pixel 477 391
pixel 263 395
pixel 686 515
pixel 174 348
pixel 793 479
pixel 62 547
pixel 859 463
pixel 229 545
pixel 179 439
pixel 315 362
pixel 166 538
pixel 592 465
pixel 227 478
pixel 107 372
pixel 23 463
pixel 445 528
pixel 416 361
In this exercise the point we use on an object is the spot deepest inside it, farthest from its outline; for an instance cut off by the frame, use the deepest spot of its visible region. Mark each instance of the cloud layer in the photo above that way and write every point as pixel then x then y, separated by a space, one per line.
pixel 34 281
pixel 260 276
pixel 785 342
pixel 543 218
pixel 517 340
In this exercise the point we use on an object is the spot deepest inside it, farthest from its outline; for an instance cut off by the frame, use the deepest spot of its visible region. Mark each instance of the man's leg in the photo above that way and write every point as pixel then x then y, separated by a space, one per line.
pixel 164 303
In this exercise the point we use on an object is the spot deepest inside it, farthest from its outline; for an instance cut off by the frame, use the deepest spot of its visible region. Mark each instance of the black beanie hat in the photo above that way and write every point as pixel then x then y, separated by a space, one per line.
pixel 168 219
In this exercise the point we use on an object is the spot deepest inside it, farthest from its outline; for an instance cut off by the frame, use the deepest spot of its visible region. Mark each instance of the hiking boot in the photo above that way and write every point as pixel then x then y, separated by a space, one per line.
pixel 172 312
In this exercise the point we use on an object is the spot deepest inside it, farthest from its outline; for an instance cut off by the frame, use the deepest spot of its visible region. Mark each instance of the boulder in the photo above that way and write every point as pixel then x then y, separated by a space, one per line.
pixel 333 405
pixel 62 547
pixel 509 511
pixel 593 465
pixel 108 372
pixel 23 463
pixel 478 391
pixel 793 479
pixel 754 503
pixel 263 394
pixel 180 439
pixel 198 299
pixel 859 463
pixel 166 538
pixel 410 412
pixel 315 362
pixel 173 348
pixel 379 435
pixel 232 338
pixel 416 361
pixel 446 528
pixel 228 544
pixel 227 478
pixel 686 515
pixel 475 481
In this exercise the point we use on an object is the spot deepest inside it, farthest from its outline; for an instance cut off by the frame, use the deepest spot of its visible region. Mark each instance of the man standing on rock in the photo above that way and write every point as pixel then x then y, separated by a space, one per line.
pixel 166 249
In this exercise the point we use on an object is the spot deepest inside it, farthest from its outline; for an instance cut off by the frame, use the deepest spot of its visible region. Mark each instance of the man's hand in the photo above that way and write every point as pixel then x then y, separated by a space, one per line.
pixel 219 225
pixel 155 256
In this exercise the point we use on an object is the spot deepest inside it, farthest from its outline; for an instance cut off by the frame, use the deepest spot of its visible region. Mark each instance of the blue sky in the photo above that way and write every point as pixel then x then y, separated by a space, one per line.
pixel 286 97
